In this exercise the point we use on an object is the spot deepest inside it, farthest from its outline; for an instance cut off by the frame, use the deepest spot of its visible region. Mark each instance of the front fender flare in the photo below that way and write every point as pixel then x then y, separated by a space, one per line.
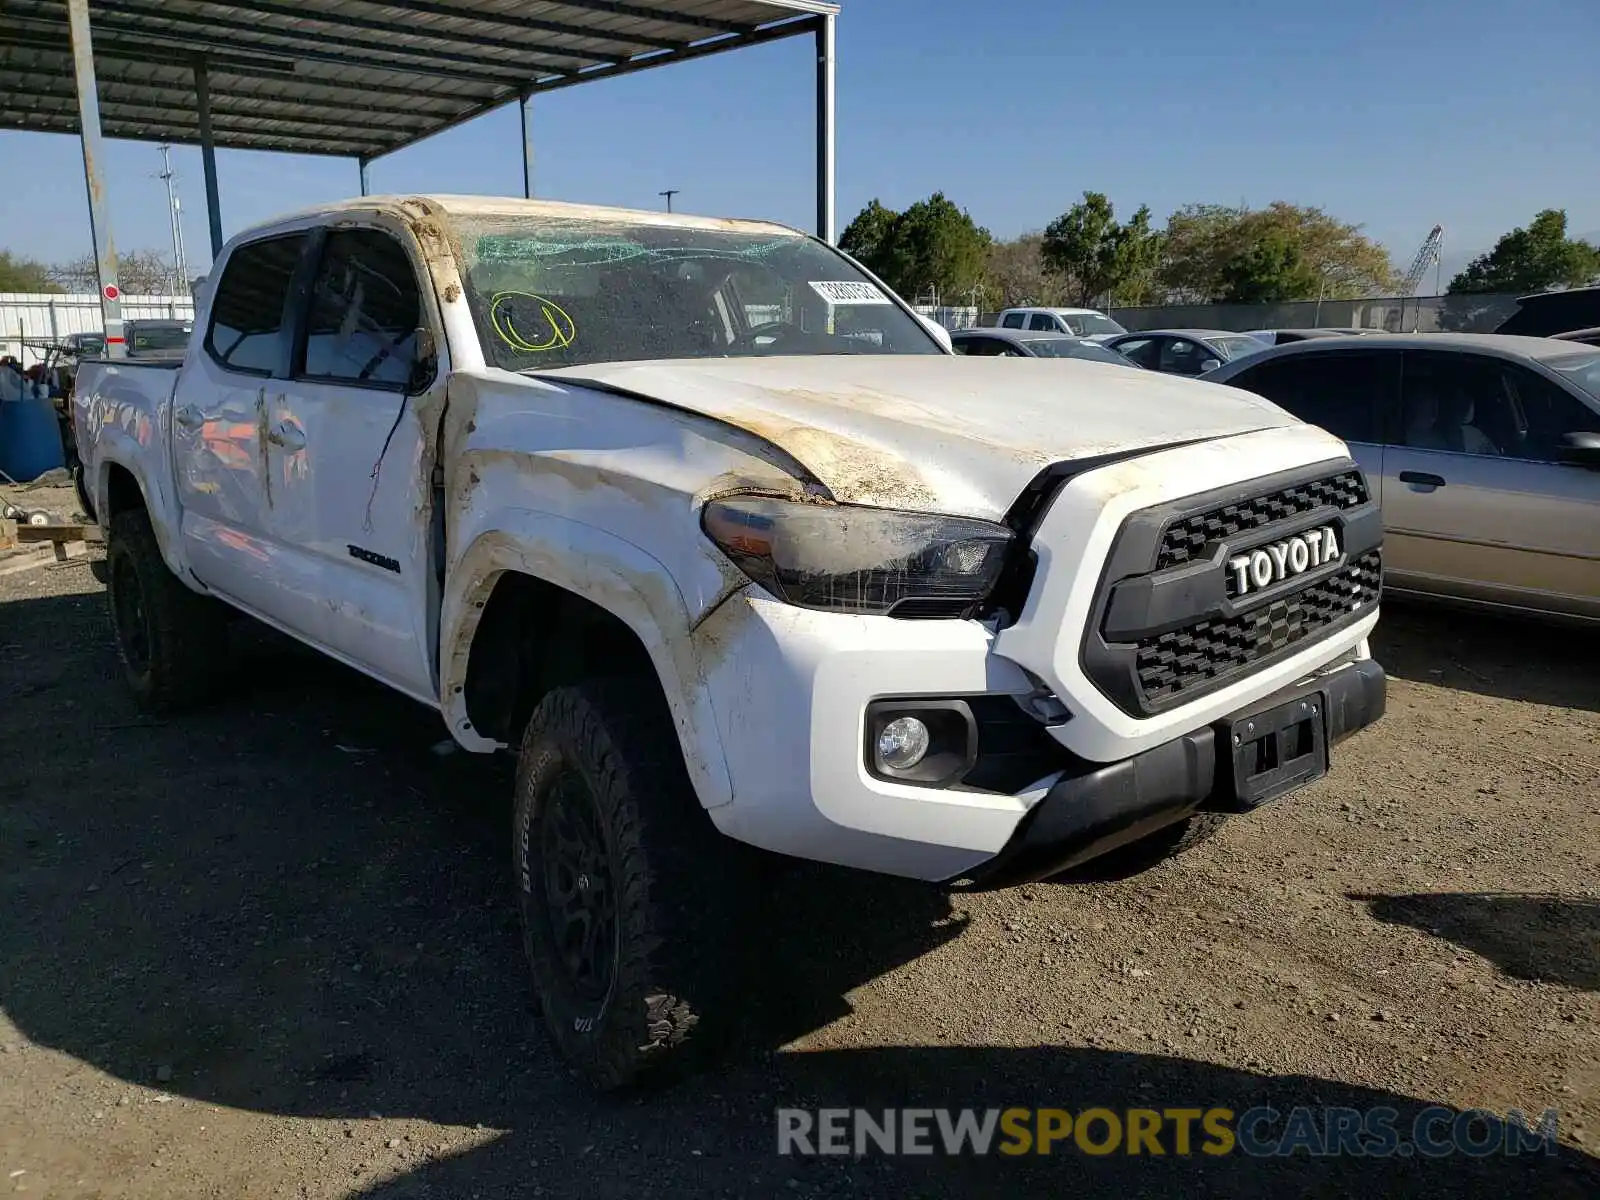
pixel 612 573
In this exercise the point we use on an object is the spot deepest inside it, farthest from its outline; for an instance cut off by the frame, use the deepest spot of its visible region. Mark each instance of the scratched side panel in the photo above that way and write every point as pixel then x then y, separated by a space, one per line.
pixel 600 495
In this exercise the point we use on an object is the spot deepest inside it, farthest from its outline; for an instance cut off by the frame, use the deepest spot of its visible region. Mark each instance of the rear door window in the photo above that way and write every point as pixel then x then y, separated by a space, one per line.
pixel 1342 393
pixel 1043 321
pixel 1013 320
pixel 1180 356
pixel 247 316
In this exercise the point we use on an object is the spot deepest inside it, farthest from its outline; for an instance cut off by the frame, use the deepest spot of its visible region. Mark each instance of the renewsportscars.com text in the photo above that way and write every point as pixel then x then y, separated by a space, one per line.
pixel 1260 1132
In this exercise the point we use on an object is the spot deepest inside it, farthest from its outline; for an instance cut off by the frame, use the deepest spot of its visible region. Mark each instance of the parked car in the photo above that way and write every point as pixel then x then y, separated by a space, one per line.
pixel 1279 337
pixel 1184 351
pixel 1485 450
pixel 84 345
pixel 152 337
pixel 735 573
pixel 1077 322
pixel 1589 337
pixel 1008 343
pixel 1547 313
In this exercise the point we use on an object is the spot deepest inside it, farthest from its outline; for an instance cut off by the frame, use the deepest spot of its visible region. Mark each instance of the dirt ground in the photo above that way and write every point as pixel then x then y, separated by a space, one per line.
pixel 269 951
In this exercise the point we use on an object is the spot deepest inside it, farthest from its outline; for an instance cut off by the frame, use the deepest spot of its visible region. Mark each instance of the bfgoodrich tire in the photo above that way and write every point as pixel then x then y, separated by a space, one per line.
pixel 625 889
pixel 173 642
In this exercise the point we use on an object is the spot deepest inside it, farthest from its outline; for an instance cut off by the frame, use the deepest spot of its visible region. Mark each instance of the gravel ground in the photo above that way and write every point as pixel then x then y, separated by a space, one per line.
pixel 269 950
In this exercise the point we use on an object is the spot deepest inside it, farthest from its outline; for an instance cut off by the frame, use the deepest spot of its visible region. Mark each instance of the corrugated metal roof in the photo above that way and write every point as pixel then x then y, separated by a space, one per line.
pixel 359 78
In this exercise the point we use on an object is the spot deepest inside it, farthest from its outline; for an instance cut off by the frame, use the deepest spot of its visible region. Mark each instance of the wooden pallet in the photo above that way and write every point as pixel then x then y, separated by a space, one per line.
pixel 60 536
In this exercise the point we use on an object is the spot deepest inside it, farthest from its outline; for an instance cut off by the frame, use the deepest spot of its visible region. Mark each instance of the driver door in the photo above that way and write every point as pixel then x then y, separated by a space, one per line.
pixel 1476 501
pixel 349 485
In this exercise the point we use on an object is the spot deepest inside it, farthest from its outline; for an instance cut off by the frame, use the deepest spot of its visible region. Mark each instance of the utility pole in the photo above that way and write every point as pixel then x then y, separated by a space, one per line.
pixel 175 213
pixel 669 194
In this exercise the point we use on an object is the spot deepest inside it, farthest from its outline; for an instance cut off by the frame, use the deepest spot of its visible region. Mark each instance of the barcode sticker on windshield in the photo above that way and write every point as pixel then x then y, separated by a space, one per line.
pixel 849 292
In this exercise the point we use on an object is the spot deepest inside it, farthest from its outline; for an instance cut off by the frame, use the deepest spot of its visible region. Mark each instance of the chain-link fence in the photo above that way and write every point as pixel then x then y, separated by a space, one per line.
pixel 950 316
pixel 1393 314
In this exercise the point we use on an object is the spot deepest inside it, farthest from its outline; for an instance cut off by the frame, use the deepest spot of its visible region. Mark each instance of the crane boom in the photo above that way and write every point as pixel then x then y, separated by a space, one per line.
pixel 1427 256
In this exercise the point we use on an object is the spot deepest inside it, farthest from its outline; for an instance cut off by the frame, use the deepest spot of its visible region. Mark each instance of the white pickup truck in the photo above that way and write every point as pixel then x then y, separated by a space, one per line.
pixel 715 533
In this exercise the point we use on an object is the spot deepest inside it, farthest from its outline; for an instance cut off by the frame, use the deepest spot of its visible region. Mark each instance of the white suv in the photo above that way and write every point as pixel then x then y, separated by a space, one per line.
pixel 1078 322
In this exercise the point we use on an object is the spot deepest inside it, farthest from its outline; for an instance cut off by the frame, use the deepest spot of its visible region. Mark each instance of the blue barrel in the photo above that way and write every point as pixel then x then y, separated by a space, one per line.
pixel 30 438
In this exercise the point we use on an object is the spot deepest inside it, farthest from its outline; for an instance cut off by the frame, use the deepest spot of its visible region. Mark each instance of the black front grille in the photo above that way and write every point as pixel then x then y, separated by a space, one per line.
pixel 1188 538
pixel 1207 652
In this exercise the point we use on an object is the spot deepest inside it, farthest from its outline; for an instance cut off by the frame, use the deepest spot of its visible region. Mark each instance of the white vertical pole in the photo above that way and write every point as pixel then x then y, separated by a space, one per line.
pixel 825 127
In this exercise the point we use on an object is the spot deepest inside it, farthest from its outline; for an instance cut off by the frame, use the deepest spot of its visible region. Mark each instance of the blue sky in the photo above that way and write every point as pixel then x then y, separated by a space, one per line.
pixel 1395 115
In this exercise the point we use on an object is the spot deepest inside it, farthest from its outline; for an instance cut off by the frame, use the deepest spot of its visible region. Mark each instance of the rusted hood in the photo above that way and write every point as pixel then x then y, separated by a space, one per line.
pixel 937 433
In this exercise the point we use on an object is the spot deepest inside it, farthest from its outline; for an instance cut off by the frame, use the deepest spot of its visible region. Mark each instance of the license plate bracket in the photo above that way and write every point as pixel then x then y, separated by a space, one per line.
pixel 1277 750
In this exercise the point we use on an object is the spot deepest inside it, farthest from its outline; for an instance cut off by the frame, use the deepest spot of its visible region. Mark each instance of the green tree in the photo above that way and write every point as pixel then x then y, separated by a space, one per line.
pixel 1201 255
pixel 24 275
pixel 867 237
pixel 1268 271
pixel 1533 259
pixel 931 247
pixel 1096 256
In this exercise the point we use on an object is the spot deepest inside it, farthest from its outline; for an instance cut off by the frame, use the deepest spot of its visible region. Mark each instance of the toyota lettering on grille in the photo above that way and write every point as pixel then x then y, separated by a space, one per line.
pixel 1277 561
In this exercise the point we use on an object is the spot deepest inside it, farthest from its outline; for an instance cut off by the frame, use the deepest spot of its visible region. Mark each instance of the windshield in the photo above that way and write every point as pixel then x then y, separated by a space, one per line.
pixel 1067 348
pixel 1582 369
pixel 1085 324
pixel 1236 347
pixel 557 291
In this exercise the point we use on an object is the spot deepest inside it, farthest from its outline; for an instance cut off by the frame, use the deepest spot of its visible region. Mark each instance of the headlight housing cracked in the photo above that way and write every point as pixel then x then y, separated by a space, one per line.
pixel 853 559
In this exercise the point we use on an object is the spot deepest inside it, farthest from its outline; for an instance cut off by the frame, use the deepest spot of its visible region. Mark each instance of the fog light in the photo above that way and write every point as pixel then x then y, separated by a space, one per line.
pixel 902 743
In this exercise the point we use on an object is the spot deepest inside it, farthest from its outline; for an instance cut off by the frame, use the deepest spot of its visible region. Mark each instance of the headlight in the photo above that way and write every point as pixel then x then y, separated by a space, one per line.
pixel 860 560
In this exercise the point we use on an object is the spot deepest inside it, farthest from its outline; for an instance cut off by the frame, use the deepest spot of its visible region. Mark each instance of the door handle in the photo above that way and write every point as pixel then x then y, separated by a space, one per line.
pixel 288 435
pixel 1423 478
pixel 189 417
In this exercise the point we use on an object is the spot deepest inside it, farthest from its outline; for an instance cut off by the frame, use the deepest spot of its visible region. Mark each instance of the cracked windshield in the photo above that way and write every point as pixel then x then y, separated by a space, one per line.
pixel 554 292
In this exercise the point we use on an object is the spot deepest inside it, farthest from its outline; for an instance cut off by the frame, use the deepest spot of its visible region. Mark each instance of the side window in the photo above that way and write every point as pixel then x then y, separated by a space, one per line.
pixel 1043 321
pixel 364 312
pixel 1180 356
pixel 1013 320
pixel 1457 403
pixel 1339 392
pixel 1544 414
pixel 1143 351
pixel 247 315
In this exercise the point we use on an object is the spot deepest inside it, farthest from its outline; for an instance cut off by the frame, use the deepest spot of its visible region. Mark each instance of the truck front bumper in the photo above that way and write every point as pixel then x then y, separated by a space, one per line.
pixel 1103 807
pixel 791 689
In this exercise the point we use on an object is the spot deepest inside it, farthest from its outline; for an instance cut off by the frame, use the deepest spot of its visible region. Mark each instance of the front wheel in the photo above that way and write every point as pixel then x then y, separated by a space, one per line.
pixel 622 882
pixel 173 642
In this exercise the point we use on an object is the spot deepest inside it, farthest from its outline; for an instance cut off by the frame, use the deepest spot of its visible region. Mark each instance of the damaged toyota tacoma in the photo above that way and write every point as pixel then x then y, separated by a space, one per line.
pixel 713 531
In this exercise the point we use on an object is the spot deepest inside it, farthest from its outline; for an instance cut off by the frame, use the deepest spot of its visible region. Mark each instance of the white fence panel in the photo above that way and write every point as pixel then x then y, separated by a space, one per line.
pixel 43 316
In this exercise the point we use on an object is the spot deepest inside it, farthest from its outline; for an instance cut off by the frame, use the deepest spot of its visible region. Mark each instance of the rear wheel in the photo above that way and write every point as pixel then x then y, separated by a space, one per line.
pixel 172 641
pixel 626 891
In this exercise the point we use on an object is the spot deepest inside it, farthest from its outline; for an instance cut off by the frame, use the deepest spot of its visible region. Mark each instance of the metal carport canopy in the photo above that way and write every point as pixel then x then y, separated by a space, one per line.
pixel 356 78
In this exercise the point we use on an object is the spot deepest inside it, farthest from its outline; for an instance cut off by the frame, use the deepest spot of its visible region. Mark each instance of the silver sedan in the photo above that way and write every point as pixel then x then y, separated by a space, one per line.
pixel 1484 450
